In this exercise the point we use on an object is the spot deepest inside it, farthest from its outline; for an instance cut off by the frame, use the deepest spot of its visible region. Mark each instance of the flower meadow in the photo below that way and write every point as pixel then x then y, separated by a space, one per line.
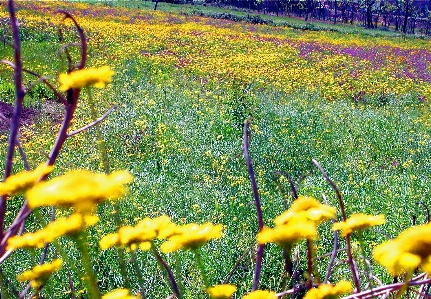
pixel 177 156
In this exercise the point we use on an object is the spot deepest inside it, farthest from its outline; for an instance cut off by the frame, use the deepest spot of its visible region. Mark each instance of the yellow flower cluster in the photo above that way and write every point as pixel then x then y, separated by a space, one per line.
pixel 97 77
pixel 329 291
pixel 23 180
pixel 60 227
pixel 221 291
pixel 189 236
pixel 297 223
pixel 410 250
pixel 80 189
pixel 143 233
pixel 358 221
pixel 40 274
pixel 260 294
pixel 119 294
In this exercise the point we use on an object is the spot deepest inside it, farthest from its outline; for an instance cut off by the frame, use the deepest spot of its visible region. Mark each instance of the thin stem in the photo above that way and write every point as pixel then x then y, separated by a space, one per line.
pixel 201 267
pixel 138 273
pixel 333 255
pixel 259 253
pixel 237 264
pixel 90 278
pixel 99 138
pixel 165 267
pixel 19 98
pixel 95 122
pixel 309 264
pixel 343 213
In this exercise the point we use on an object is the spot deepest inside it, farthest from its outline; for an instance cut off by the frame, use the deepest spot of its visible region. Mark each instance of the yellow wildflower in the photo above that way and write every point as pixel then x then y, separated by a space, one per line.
pixel 221 291
pixel 60 227
pixel 144 232
pixel 97 77
pixel 259 294
pixel 358 221
pixel 191 236
pixel 23 180
pixel 411 249
pixel 119 294
pixel 308 207
pixel 40 273
pixel 80 189
pixel 329 291
pixel 286 235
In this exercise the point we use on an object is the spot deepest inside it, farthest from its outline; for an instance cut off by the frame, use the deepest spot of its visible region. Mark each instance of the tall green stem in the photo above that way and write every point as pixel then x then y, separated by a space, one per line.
pixel 101 146
pixel 201 268
pixel 138 273
pixel 90 278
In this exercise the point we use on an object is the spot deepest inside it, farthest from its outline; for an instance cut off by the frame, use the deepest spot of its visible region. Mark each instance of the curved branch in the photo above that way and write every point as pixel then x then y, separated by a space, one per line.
pixel 95 122
pixel 259 253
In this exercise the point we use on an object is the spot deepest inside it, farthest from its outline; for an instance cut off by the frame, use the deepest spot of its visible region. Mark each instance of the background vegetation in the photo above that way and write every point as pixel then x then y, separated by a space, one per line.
pixel 183 86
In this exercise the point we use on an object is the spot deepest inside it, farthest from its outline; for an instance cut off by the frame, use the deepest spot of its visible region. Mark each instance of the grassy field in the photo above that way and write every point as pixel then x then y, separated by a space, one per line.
pixel 183 86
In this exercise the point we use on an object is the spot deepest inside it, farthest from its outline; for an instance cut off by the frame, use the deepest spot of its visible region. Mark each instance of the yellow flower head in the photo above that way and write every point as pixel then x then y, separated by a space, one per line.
pixel 23 180
pixel 259 294
pixel 80 189
pixel 358 221
pixel 40 274
pixel 60 227
pixel 119 294
pixel 191 236
pixel 97 77
pixel 288 234
pixel 221 291
pixel 307 207
pixel 411 249
pixel 329 291
pixel 144 232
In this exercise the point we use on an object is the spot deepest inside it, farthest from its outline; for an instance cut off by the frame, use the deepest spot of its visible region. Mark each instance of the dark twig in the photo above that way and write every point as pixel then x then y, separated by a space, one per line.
pixel 343 214
pixel 229 276
pixel 95 122
pixel 172 280
pixel 333 255
pixel 259 253
pixel 19 98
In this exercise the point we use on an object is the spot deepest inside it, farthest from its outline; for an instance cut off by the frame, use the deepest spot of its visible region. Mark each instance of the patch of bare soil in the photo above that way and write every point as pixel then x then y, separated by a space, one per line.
pixel 27 116
pixel 49 109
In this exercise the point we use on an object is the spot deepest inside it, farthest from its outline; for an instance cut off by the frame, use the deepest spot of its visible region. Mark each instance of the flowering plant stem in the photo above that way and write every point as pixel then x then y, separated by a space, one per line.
pixel 90 278
pixel 260 248
pixel 101 146
pixel 138 273
pixel 165 268
pixel 201 267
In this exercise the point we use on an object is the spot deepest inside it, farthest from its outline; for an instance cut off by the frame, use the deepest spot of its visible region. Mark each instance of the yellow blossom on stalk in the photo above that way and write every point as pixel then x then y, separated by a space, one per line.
pixel 97 77
pixel 144 232
pixel 411 249
pixel 60 227
pixel 80 189
pixel 308 207
pixel 358 221
pixel 259 294
pixel 191 236
pixel 329 291
pixel 221 291
pixel 40 274
pixel 23 180
pixel 288 234
pixel 119 294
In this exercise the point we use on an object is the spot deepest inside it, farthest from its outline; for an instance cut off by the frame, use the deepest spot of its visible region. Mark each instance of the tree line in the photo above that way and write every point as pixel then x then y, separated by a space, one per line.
pixel 406 16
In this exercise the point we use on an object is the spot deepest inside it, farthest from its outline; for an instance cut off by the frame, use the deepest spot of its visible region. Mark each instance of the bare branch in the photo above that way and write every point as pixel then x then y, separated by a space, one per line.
pixel 95 122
